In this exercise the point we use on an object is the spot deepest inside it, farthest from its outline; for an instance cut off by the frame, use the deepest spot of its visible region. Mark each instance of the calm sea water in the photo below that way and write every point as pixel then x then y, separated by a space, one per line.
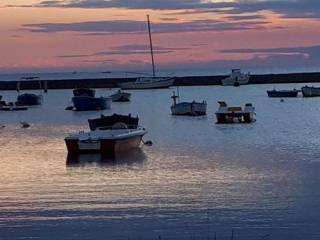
pixel 259 180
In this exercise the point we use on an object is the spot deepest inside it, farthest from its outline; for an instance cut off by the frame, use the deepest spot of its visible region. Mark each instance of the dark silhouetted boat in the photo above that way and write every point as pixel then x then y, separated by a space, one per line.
pixel 86 103
pixel 282 93
pixel 310 91
pixel 188 108
pixel 227 114
pixel 84 92
pixel 29 99
pixel 121 96
pixel 107 122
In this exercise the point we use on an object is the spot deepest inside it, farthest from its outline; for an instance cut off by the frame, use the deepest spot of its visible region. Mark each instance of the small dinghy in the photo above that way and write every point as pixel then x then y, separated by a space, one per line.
pixel 188 108
pixel 227 114
pixel 121 96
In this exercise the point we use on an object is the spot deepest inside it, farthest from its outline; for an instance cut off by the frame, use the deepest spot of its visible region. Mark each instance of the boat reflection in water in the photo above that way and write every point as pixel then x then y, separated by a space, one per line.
pixel 135 156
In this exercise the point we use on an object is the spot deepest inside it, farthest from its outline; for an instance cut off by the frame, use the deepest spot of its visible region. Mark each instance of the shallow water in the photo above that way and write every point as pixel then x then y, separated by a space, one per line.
pixel 198 179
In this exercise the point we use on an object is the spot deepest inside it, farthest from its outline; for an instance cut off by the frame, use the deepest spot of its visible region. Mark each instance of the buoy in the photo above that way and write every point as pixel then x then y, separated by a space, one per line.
pixel 281 100
pixel 24 124
pixel 69 108
pixel 148 143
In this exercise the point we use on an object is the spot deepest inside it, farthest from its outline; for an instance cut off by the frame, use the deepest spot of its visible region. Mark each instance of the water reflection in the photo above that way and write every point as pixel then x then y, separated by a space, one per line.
pixel 134 157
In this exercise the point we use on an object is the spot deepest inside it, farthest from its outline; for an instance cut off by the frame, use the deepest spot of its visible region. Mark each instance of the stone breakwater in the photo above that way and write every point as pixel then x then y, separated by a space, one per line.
pixel 179 81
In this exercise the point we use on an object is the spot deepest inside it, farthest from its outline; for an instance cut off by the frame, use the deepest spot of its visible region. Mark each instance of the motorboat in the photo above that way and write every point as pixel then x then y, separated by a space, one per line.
pixel 236 78
pixel 106 142
pixel 148 83
pixel 121 96
pixel 29 99
pixel 151 82
pixel 227 114
pixel 310 91
pixel 108 122
pixel 188 108
pixel 84 92
pixel 282 93
pixel 87 103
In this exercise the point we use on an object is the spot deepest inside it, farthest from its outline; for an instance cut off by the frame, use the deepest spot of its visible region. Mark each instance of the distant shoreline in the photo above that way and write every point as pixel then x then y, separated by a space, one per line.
pixel 312 77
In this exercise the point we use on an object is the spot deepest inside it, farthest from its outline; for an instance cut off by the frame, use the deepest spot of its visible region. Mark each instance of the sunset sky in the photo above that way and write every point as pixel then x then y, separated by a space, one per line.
pixel 61 35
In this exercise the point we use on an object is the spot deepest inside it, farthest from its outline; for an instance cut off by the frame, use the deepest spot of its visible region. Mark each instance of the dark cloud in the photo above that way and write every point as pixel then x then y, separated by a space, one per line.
pixel 310 50
pixel 245 17
pixel 130 49
pixel 134 49
pixel 289 56
pixel 124 27
pixel 288 8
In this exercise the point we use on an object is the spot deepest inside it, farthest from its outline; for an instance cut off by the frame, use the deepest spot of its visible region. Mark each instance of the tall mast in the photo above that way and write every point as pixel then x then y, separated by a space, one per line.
pixel 151 47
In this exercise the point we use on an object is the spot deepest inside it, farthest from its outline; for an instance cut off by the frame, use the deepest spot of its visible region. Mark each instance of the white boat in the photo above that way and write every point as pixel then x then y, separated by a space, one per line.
pixel 227 114
pixel 236 78
pixel 310 91
pixel 188 108
pixel 149 82
pixel 106 142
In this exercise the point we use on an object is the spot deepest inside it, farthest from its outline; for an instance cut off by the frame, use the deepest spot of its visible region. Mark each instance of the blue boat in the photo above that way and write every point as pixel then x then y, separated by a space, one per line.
pixel 282 93
pixel 29 99
pixel 86 103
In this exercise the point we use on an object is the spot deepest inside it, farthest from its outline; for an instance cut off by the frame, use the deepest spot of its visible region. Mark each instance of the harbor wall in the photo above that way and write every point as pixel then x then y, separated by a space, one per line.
pixel 179 81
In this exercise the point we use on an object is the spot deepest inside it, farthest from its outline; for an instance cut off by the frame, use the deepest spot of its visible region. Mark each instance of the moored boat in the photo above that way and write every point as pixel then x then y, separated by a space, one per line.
pixel 29 99
pixel 108 122
pixel 106 142
pixel 310 91
pixel 236 78
pixel 121 96
pixel 152 82
pixel 188 108
pixel 148 83
pixel 227 114
pixel 86 103
pixel 282 93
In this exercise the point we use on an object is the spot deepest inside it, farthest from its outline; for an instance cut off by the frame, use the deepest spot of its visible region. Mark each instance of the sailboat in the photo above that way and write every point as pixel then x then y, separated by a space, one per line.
pixel 149 82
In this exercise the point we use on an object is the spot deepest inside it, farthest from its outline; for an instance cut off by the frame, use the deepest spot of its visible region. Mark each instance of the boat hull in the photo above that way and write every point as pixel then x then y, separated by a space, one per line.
pixel 148 83
pixel 189 109
pixel 85 103
pixel 310 91
pixel 283 93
